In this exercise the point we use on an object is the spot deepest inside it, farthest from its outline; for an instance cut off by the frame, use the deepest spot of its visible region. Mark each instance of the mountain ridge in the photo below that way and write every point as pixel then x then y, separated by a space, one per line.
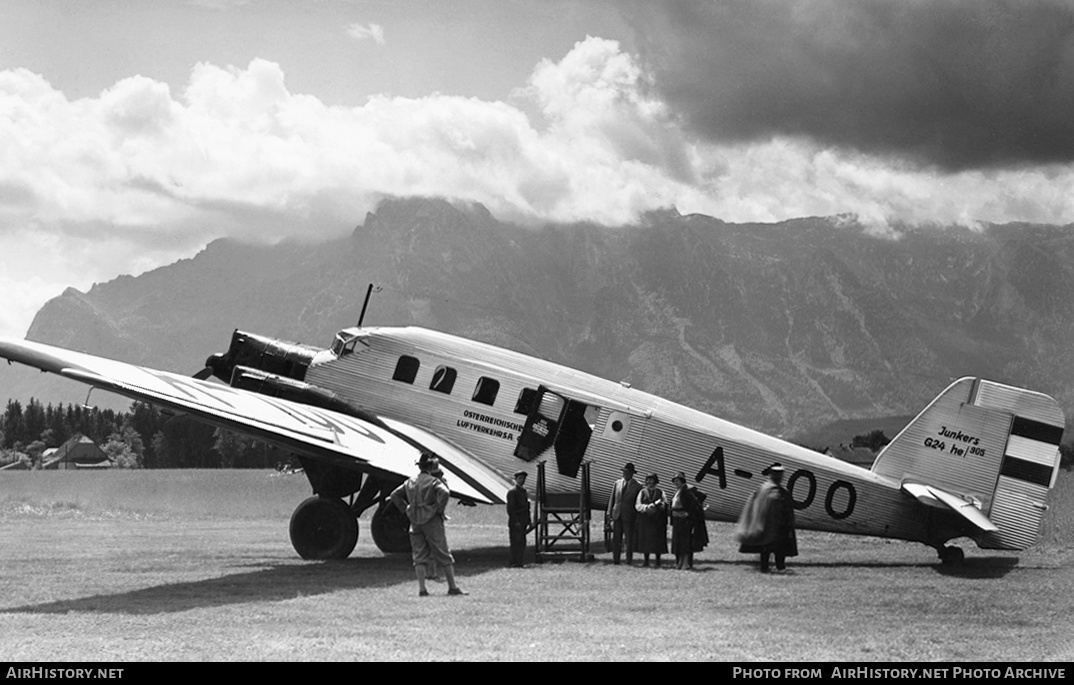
pixel 781 327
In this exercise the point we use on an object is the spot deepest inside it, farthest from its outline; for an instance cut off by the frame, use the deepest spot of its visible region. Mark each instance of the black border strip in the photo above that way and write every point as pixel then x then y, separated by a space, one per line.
pixel 1031 472
pixel 1036 430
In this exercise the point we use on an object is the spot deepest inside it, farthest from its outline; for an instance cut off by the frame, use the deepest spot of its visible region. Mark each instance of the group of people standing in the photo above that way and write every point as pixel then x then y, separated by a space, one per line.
pixel 639 516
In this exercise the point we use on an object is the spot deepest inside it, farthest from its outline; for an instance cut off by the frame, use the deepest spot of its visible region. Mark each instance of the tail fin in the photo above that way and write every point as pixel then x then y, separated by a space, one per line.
pixel 992 445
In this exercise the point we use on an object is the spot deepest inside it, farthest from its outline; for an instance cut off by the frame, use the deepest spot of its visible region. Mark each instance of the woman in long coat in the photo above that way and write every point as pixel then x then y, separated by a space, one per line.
pixel 652 524
pixel 685 512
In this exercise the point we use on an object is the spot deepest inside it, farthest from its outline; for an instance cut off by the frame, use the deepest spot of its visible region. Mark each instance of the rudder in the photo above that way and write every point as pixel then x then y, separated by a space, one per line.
pixel 994 445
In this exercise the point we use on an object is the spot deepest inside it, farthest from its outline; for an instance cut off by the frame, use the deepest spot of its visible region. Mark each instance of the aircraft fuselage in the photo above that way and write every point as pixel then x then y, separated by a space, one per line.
pixel 475 395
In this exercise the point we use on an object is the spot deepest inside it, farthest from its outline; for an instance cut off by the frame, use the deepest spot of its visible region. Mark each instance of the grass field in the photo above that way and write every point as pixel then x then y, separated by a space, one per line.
pixel 134 566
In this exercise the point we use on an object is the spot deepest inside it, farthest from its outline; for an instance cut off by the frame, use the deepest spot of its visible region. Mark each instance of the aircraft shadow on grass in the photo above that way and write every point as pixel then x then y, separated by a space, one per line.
pixel 268 584
pixel 983 567
pixel 289 581
pixel 978 567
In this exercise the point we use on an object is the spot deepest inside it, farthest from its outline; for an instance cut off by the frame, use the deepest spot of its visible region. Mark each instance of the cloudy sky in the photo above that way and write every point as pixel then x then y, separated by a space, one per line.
pixel 134 132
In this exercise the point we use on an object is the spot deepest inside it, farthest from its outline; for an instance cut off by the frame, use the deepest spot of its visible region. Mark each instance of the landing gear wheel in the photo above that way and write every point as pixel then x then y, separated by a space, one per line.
pixel 323 528
pixel 391 529
pixel 951 555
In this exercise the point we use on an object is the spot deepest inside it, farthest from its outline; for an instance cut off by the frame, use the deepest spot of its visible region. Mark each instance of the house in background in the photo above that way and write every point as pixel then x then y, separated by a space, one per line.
pixel 77 453
pixel 16 465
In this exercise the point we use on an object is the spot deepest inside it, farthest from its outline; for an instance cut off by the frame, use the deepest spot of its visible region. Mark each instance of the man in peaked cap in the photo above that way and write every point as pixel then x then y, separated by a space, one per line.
pixel 766 525
pixel 622 514
pixel 423 499
pixel 518 519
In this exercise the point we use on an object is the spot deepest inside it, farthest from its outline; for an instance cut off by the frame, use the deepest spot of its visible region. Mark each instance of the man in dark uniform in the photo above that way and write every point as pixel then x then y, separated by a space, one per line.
pixel 622 514
pixel 518 518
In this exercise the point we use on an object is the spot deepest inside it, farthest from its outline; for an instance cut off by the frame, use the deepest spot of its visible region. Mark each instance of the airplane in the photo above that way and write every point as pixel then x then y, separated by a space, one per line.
pixel 977 462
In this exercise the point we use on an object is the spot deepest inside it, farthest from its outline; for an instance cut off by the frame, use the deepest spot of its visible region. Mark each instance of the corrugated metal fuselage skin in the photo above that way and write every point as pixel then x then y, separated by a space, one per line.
pixel 723 459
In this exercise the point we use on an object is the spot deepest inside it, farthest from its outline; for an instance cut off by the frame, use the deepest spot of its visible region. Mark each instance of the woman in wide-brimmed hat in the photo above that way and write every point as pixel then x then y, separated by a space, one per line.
pixel 652 522
pixel 686 511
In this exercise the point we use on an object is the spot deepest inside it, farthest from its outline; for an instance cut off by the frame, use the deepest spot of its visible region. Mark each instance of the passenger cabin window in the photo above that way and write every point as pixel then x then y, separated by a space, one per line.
pixel 486 390
pixel 443 379
pixel 406 369
pixel 525 401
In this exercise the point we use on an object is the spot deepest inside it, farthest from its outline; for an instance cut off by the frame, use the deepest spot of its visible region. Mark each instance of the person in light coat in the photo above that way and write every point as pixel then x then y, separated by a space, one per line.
pixel 423 499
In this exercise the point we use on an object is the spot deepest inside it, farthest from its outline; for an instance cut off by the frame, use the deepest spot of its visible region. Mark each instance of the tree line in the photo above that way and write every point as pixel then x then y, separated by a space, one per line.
pixel 147 437
pixel 142 437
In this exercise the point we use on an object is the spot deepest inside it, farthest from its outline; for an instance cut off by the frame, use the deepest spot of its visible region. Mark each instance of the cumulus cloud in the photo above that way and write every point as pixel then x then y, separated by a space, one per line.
pixel 359 32
pixel 141 175
pixel 596 96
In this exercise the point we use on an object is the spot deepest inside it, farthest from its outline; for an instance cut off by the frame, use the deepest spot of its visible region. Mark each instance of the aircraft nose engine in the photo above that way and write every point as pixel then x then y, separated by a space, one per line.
pixel 277 357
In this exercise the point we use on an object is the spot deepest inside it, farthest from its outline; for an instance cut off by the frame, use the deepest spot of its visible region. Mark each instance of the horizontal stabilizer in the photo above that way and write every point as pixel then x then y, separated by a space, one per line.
pixel 933 496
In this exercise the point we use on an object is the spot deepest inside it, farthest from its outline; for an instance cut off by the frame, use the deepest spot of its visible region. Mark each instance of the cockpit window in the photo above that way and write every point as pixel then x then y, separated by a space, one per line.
pixel 443 379
pixel 525 401
pixel 486 390
pixel 406 369
pixel 344 343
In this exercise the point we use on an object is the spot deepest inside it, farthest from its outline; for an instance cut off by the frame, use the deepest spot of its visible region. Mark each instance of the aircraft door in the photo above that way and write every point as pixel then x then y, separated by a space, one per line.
pixel 561 423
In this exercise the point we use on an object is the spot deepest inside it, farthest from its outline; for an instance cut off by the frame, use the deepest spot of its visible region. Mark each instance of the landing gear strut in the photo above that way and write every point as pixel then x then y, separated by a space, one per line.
pixel 323 528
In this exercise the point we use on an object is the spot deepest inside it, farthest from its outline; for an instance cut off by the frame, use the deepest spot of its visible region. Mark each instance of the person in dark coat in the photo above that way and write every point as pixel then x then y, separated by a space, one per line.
pixel 685 512
pixel 518 519
pixel 766 525
pixel 652 521
pixel 699 536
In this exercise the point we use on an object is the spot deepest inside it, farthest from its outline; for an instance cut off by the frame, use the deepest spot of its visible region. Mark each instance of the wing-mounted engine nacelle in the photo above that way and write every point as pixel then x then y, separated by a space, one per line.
pixel 256 380
pixel 287 359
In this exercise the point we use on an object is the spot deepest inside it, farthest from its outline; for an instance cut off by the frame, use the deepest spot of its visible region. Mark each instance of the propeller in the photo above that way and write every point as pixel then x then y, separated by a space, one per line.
pixel 214 363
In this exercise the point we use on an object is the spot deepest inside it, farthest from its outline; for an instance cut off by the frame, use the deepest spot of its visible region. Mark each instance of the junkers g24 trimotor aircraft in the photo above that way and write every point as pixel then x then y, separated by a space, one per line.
pixel 977 462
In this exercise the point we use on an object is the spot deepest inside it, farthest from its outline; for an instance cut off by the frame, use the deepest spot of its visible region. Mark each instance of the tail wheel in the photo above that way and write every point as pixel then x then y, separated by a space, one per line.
pixel 323 528
pixel 391 529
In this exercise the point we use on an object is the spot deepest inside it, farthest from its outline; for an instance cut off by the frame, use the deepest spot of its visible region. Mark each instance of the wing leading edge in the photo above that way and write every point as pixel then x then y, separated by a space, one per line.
pixel 322 434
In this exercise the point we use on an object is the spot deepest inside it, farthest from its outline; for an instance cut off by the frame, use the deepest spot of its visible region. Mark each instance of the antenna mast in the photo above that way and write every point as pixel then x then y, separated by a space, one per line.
pixel 368 292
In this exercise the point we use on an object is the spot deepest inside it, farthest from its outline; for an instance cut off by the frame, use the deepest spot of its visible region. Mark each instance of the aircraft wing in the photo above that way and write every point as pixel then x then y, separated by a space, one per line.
pixel 329 436
pixel 931 495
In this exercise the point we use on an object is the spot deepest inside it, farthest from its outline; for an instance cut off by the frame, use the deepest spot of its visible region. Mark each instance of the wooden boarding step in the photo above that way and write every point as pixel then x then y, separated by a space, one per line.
pixel 563 520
